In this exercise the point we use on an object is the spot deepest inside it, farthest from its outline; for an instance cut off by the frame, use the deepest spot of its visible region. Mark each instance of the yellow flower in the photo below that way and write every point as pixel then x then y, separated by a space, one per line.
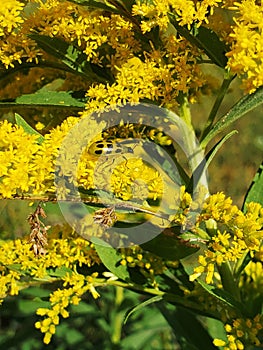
pixel 10 15
pixel 245 56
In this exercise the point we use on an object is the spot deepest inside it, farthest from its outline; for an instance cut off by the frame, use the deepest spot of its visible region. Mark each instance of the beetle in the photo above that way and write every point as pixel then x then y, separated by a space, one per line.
pixel 109 148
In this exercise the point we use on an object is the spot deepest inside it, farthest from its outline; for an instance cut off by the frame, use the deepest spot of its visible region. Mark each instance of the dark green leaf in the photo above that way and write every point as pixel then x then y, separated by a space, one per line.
pixel 71 56
pixel 142 305
pixel 169 246
pixel 189 332
pixel 111 259
pixel 215 328
pixel 212 45
pixel 27 128
pixel 128 4
pixel 35 292
pixel 255 191
pixel 221 295
pixel 71 335
pixel 242 107
pixel 206 40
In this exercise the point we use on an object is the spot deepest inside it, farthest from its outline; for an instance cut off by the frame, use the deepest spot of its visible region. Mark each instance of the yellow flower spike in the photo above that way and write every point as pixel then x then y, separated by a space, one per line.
pixel 39 126
pixel 210 273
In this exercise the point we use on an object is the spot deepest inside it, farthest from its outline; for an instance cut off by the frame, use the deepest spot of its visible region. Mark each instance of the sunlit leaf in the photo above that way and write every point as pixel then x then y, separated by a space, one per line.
pixel 111 259
pixel 50 98
pixel 27 128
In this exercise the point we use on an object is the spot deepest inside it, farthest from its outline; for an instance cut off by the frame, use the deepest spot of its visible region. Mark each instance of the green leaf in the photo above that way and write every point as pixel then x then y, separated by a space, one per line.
pixel 27 128
pixel 169 246
pixel 111 258
pixel 72 57
pixel 54 98
pixel 215 328
pixel 189 332
pixel 151 332
pixel 255 191
pixel 141 306
pixel 70 335
pixel 29 306
pixel 59 271
pixel 242 107
pixel 202 167
pixel 37 292
pixel 215 49
pixel 221 295
pixel 205 39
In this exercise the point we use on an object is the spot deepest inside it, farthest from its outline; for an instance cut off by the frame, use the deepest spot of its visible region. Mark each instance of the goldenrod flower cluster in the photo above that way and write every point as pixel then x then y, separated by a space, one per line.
pixel 150 265
pixel 245 56
pixel 18 260
pixel 110 41
pixel 61 299
pixel 188 12
pixel 242 332
pixel 28 167
pixel 66 252
pixel 237 234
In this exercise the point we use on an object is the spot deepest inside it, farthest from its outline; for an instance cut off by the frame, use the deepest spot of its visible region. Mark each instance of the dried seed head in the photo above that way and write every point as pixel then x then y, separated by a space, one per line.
pixel 105 217
pixel 38 234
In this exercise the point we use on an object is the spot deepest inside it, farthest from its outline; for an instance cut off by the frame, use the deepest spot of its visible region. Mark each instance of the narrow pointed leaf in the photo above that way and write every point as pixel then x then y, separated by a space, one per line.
pixel 71 56
pixel 142 305
pixel 202 167
pixel 242 107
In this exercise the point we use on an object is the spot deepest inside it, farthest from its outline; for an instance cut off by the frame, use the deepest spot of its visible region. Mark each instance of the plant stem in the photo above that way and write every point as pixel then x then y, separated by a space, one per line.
pixel 118 317
pixel 192 149
pixel 168 297
pixel 221 94
pixel 228 281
